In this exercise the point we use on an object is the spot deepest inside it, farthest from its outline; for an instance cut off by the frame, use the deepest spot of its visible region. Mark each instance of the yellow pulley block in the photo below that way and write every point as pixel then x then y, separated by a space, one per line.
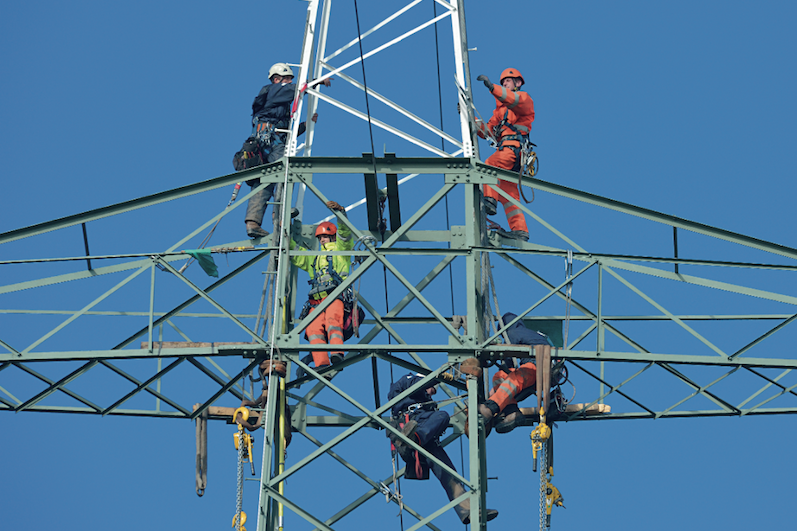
pixel 553 497
pixel 243 520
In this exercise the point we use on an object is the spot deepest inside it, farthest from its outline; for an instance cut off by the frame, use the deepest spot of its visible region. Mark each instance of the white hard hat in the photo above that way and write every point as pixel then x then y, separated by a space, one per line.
pixel 280 69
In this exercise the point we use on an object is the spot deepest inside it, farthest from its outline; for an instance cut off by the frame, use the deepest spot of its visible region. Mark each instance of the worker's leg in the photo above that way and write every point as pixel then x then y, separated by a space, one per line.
pixel 431 425
pixel 498 379
pixel 505 159
pixel 515 217
pixel 317 335
pixel 517 380
pixel 453 487
pixel 256 208
pixel 334 325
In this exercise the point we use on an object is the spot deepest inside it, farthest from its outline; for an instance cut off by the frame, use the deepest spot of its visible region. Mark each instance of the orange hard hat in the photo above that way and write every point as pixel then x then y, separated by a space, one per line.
pixel 512 72
pixel 326 228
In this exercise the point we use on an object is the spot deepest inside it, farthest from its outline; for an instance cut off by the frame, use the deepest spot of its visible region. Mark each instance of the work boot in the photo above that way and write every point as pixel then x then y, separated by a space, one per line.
pixel 490 206
pixel 335 357
pixel 406 451
pixel 254 230
pixel 488 409
pixel 463 508
pixel 471 366
pixel 491 514
pixel 518 235
pixel 512 418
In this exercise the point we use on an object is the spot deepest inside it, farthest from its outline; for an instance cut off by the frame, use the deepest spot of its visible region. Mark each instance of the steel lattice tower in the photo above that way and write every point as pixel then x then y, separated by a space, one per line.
pixel 416 333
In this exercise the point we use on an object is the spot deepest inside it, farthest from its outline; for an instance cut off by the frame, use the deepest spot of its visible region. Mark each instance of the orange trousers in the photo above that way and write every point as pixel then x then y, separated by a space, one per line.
pixel 507 387
pixel 327 327
pixel 505 159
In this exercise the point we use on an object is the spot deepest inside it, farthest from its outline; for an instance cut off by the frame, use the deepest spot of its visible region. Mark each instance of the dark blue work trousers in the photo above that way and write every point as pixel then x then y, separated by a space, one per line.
pixel 431 425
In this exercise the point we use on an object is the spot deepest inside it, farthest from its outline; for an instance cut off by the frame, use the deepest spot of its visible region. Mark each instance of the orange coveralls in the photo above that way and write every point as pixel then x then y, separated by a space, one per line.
pixel 507 387
pixel 329 323
pixel 517 108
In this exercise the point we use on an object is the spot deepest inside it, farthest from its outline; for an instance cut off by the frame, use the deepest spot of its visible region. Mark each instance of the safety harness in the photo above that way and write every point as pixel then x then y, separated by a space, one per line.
pixel 526 162
pixel 521 136
pixel 324 284
pixel 266 134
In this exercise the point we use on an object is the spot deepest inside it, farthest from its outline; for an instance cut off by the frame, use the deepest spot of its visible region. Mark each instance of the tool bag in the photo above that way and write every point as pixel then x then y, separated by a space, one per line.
pixel 419 467
pixel 250 155
pixel 351 319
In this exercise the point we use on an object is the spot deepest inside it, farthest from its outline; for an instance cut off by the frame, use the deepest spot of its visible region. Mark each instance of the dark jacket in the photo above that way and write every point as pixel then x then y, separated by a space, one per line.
pixel 273 105
pixel 419 396
pixel 520 335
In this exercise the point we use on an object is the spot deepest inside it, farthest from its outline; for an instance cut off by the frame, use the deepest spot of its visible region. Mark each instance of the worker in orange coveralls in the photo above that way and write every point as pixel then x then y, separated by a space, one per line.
pixel 326 273
pixel 509 126
pixel 501 408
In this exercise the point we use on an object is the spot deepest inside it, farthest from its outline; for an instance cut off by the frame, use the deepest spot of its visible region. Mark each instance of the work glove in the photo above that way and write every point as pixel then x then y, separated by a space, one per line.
pixel 332 205
pixel 486 80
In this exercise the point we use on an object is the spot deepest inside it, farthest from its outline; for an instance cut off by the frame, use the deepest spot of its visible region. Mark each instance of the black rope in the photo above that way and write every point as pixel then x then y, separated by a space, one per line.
pixel 365 83
pixel 373 161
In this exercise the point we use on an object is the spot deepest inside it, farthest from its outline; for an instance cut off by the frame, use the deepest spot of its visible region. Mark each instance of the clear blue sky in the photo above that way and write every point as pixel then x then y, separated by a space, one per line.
pixel 681 107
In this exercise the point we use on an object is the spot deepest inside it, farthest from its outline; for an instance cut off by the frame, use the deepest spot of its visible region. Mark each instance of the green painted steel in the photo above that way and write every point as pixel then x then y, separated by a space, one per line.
pixel 599 341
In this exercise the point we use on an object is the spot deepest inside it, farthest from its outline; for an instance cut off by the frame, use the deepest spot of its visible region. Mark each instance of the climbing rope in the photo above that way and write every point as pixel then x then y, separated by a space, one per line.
pixel 384 268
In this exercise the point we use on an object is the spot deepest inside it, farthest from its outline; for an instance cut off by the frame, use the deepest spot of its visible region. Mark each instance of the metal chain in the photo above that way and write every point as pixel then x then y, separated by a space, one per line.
pixel 240 497
pixel 543 486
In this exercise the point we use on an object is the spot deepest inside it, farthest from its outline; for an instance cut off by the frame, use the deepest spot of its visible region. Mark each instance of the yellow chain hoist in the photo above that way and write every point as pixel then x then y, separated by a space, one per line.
pixel 248 440
pixel 539 435
pixel 243 444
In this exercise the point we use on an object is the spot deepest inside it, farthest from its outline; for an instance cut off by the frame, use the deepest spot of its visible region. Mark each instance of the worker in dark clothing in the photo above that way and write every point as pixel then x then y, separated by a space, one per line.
pixel 422 421
pixel 501 408
pixel 509 126
pixel 271 111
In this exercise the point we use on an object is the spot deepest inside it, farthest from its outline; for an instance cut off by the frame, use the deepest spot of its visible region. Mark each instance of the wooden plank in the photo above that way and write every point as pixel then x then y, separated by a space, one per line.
pixel 225 413
pixel 594 409
pixel 191 344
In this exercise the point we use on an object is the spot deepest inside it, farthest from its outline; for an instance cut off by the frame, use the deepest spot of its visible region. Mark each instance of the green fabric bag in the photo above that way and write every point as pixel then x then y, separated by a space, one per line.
pixel 205 260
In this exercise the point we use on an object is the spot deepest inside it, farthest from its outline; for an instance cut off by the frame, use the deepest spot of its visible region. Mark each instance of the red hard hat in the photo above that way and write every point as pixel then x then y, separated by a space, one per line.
pixel 512 72
pixel 326 228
